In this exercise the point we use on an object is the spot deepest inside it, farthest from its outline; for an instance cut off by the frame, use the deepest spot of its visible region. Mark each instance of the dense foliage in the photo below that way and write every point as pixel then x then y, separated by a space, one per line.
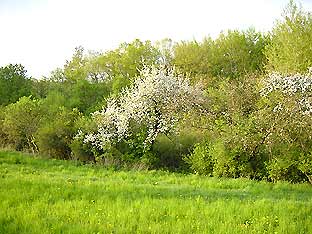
pixel 14 83
pixel 239 105
pixel 289 50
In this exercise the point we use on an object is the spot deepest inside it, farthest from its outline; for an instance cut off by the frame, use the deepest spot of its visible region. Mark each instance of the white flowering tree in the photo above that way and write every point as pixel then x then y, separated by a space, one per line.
pixel 296 89
pixel 288 105
pixel 155 102
pixel 288 119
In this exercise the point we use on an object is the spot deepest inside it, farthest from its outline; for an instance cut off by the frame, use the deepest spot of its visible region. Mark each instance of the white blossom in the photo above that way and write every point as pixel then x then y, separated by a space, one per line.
pixel 156 101
pixel 298 86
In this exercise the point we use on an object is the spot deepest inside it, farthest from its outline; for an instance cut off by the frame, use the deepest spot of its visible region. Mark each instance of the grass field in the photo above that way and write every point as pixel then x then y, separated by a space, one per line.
pixel 52 196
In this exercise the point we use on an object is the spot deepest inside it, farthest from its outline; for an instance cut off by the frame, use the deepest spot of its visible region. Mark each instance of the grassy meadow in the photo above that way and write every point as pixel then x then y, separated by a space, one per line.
pixel 51 196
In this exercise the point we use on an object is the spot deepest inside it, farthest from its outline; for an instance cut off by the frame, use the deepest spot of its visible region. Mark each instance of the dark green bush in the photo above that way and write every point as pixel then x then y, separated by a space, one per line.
pixel 305 165
pixel 14 83
pixel 80 150
pixel 57 132
pixel 3 135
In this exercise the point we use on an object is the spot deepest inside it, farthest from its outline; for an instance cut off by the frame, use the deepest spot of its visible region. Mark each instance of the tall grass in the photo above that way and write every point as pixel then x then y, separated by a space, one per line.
pixel 51 196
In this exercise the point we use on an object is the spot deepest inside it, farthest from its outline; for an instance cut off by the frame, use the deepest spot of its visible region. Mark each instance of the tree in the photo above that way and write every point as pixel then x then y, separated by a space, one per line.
pixel 232 134
pixel 290 50
pixel 165 48
pixel 287 102
pixel 152 106
pixel 193 58
pixel 238 53
pixel 14 83
pixel 75 68
pixel 122 65
pixel 232 54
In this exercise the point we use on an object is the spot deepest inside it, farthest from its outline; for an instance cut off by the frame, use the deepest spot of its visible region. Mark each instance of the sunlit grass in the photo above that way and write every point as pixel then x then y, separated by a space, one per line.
pixel 51 196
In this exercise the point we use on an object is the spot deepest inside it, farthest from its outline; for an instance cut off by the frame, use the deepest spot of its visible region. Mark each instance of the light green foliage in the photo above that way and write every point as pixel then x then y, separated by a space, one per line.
pixel 83 95
pixel 134 55
pixel 75 68
pixel 193 58
pixel 201 160
pixel 53 102
pixel 232 54
pixel 290 50
pixel 126 61
pixel 21 121
pixel 124 64
pixel 87 97
pixel 52 196
pixel 234 137
pixel 41 88
pixel 237 53
pixel 14 83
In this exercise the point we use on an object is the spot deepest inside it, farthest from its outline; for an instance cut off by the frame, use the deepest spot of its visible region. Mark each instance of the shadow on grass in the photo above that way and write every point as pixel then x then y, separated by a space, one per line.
pixel 111 185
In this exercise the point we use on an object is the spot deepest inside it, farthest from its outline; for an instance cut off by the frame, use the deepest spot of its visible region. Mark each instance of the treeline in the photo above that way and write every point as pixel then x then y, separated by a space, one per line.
pixel 243 108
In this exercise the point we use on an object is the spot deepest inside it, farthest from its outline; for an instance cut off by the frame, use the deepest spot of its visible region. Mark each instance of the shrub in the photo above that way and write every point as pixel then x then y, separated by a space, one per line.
pixel 56 134
pixel 3 135
pixel 305 165
pixel 171 151
pixel 201 160
pixel 235 137
pixel 21 121
pixel 82 150
pixel 287 109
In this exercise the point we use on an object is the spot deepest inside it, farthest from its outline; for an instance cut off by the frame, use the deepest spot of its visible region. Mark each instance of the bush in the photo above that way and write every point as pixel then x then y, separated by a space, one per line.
pixel 286 115
pixel 21 121
pixel 56 134
pixel 3 135
pixel 235 136
pixel 285 170
pixel 80 150
pixel 170 152
pixel 201 160
pixel 305 165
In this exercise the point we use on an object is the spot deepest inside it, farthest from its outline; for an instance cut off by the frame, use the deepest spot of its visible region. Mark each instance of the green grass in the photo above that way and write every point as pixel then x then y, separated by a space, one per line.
pixel 51 196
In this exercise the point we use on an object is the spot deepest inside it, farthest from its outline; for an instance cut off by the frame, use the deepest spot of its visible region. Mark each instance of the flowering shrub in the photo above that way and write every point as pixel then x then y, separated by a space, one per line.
pixel 266 138
pixel 296 86
pixel 288 107
pixel 155 103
